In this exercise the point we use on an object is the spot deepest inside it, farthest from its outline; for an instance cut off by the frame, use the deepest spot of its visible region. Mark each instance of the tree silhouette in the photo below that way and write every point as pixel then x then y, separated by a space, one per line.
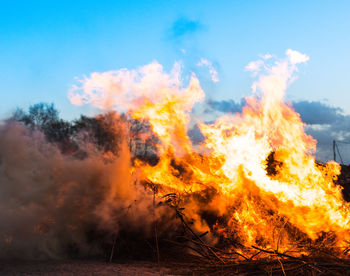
pixel 105 131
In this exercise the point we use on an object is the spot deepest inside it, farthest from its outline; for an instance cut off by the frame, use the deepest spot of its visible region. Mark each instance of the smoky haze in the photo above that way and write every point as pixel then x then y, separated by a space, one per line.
pixel 53 199
pixel 51 204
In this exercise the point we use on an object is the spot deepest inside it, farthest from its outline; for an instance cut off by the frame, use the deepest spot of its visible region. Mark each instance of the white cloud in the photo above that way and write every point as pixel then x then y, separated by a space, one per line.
pixel 296 57
pixel 254 66
pixel 212 71
pixel 266 56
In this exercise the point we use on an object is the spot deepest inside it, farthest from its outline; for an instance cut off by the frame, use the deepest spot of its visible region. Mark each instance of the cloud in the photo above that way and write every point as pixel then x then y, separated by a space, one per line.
pixel 212 71
pixel 312 112
pixel 184 27
pixel 254 66
pixel 317 113
pixel 226 106
pixel 266 56
pixel 295 57
pixel 323 122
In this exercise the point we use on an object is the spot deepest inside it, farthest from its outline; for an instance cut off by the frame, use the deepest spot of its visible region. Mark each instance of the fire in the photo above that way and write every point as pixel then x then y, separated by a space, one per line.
pixel 256 167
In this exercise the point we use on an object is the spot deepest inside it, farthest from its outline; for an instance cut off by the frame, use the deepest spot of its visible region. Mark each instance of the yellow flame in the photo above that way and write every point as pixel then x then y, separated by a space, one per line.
pixel 299 195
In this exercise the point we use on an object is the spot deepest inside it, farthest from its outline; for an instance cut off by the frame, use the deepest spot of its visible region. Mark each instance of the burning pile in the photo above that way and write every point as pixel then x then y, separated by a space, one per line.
pixel 253 181
pixel 251 189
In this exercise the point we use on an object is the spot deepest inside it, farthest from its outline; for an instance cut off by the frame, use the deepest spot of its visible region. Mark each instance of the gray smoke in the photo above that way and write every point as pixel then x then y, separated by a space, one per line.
pixel 51 202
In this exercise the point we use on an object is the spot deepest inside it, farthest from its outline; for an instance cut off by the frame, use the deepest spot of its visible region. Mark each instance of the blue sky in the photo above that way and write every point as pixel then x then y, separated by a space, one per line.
pixel 45 45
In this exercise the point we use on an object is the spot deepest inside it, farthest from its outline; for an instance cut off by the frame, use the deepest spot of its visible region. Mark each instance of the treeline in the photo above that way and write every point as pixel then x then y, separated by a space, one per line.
pixel 104 131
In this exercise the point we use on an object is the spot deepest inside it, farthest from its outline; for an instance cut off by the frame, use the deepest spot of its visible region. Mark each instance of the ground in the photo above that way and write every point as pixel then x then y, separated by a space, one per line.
pixel 89 267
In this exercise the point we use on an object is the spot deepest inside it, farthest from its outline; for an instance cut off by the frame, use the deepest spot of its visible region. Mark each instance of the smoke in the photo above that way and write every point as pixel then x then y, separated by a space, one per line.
pixel 51 203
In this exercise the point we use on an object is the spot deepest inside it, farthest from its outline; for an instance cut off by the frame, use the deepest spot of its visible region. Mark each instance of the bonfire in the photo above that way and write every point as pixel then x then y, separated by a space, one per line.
pixel 250 192
pixel 239 193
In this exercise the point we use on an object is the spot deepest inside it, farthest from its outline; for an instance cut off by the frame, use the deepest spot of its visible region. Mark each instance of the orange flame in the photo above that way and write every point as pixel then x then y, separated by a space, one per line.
pixel 298 196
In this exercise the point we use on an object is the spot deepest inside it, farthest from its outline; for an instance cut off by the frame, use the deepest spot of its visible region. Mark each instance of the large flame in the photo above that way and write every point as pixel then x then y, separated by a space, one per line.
pixel 268 188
